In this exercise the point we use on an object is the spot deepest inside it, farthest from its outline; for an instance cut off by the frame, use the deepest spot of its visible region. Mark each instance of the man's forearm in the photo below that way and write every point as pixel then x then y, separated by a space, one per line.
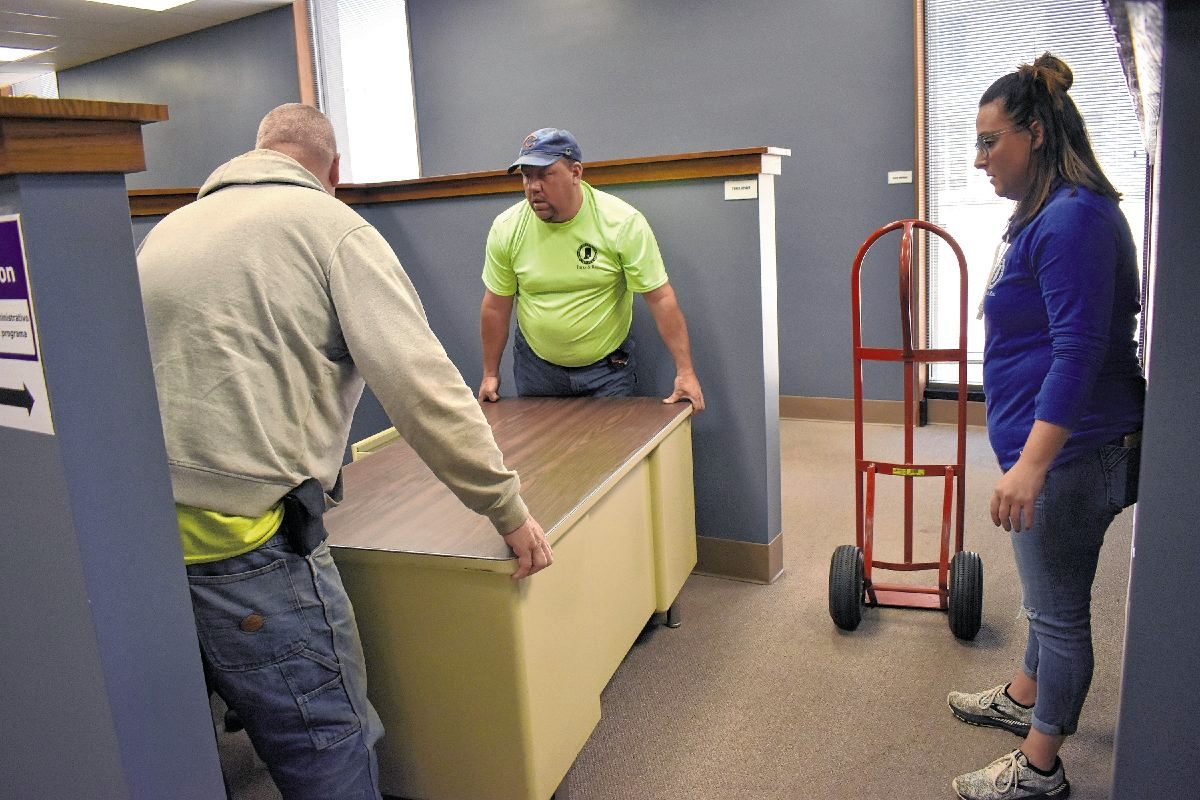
pixel 494 336
pixel 672 327
pixel 675 335
pixel 493 332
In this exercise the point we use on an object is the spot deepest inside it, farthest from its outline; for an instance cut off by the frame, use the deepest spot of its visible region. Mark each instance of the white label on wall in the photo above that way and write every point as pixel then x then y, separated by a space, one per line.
pixel 742 189
pixel 900 176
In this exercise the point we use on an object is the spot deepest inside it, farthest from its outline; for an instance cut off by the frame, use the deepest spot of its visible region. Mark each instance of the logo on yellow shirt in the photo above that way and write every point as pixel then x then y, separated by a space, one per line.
pixel 586 254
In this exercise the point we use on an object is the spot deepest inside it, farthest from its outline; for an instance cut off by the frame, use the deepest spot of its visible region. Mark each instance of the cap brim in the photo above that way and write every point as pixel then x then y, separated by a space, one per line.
pixel 534 160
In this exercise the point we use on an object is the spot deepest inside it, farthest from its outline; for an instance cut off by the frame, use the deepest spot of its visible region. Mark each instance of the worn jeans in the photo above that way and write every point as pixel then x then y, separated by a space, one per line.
pixel 281 648
pixel 1056 559
pixel 608 377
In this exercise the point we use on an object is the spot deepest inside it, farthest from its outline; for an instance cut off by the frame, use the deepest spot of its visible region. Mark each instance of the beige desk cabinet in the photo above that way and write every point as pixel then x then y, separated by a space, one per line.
pixel 488 689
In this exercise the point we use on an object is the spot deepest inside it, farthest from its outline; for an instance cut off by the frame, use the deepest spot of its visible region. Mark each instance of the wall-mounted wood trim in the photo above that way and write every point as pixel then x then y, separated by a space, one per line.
pixel 39 135
pixel 44 108
pixel 157 202
pixel 305 69
pixel 841 409
pixel 674 167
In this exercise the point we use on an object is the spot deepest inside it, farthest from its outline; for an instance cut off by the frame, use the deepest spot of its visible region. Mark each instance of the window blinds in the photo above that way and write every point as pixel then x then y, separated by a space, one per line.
pixel 364 76
pixel 969 44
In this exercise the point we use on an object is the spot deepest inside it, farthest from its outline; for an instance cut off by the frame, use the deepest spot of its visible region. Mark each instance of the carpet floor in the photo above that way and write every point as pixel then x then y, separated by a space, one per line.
pixel 759 696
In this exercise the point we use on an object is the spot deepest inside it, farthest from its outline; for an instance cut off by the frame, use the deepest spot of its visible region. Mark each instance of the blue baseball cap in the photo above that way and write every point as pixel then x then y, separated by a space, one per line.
pixel 545 146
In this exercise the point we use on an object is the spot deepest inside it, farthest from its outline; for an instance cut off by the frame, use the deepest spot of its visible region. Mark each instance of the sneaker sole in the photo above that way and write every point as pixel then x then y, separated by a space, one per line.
pixel 1060 792
pixel 1012 726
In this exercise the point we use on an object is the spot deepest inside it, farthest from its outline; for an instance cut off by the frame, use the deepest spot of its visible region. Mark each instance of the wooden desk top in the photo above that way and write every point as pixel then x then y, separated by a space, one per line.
pixel 568 451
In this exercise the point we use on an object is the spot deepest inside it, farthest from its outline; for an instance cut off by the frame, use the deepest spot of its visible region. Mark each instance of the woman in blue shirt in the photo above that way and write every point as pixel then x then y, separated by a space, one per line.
pixel 1064 391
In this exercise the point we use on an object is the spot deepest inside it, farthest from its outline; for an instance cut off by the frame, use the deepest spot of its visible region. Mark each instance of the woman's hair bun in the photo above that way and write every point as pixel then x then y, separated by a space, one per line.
pixel 1051 71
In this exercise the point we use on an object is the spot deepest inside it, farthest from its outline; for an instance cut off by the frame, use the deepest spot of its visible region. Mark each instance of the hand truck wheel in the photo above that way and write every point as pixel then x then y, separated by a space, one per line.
pixel 966 594
pixel 846 587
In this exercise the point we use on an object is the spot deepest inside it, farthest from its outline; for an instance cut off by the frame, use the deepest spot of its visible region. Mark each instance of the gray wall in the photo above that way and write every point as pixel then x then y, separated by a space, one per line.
pixel 1157 747
pixel 100 681
pixel 831 81
pixel 629 79
pixel 714 264
pixel 217 84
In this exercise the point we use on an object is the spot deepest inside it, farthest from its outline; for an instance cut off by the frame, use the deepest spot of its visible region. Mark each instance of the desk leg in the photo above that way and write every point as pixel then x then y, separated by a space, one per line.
pixel 669 618
pixel 673 616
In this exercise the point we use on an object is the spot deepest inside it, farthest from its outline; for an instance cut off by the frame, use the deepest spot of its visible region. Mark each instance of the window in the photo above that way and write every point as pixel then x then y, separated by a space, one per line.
pixel 45 85
pixel 970 43
pixel 364 85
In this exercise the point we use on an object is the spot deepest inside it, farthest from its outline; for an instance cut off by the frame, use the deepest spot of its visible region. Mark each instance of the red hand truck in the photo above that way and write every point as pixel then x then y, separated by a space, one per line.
pixel 852 584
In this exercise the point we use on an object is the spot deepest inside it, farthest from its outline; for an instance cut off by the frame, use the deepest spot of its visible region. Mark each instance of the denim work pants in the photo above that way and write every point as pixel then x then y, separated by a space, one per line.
pixel 281 648
pixel 1057 559
pixel 608 377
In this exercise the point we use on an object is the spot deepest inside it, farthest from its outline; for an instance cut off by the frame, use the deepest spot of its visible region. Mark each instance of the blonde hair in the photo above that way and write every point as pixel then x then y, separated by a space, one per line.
pixel 295 125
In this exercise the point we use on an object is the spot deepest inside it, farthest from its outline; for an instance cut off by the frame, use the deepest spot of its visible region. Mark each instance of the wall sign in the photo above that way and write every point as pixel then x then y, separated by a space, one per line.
pixel 24 402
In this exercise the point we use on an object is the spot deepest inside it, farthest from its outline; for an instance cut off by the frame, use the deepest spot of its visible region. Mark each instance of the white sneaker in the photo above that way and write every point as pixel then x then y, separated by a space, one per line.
pixel 1011 778
pixel 991 709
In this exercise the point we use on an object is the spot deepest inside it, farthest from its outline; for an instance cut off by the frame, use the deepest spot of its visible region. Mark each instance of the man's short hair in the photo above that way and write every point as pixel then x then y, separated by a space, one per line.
pixel 298 125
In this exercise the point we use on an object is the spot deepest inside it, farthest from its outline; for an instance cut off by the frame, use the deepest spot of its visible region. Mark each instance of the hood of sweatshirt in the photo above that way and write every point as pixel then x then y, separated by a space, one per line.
pixel 259 166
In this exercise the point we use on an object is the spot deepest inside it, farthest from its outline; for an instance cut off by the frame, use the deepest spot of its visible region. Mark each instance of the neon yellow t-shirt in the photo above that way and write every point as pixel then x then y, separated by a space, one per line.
pixel 212 536
pixel 574 280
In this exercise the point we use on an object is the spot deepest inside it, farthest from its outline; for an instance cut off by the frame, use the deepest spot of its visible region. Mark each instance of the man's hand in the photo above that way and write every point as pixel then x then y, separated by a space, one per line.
pixel 1014 497
pixel 687 387
pixel 529 544
pixel 489 390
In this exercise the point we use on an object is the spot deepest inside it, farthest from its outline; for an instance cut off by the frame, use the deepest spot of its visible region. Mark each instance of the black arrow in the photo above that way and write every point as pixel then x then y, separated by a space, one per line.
pixel 21 398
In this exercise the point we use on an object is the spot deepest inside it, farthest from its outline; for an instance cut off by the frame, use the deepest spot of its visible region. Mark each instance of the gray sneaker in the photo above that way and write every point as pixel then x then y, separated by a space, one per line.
pixel 1011 778
pixel 991 709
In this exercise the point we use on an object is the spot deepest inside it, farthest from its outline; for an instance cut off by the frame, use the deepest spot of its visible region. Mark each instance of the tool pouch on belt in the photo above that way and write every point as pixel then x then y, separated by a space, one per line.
pixel 303 512
pixel 1122 465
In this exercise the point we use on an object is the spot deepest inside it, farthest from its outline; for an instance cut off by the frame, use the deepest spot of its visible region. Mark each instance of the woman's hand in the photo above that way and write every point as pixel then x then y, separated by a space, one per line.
pixel 1018 490
pixel 1014 497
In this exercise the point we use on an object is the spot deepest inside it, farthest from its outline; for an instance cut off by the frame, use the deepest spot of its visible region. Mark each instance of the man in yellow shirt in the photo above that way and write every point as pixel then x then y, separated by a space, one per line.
pixel 571 258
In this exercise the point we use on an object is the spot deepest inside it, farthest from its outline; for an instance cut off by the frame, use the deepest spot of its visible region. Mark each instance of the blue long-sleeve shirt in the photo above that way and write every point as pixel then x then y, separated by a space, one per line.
pixel 1060 322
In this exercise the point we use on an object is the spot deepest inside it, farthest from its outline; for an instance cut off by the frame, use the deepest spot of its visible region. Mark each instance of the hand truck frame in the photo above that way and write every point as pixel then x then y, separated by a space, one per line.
pixel 852 584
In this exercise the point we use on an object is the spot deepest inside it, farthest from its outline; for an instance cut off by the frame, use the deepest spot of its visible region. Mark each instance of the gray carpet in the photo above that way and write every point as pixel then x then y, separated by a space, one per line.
pixel 759 696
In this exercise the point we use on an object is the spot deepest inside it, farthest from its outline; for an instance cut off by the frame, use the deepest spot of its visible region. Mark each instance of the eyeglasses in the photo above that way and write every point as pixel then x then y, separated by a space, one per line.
pixel 985 143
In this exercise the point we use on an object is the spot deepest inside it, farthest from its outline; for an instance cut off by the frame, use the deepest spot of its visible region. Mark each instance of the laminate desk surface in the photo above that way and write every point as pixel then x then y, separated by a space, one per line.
pixel 567 451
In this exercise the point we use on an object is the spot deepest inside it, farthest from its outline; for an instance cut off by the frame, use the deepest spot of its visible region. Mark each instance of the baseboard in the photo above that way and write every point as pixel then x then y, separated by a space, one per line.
pixel 742 561
pixel 841 409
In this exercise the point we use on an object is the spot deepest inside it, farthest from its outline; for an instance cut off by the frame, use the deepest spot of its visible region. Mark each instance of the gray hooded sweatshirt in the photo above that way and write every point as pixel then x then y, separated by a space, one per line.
pixel 268 302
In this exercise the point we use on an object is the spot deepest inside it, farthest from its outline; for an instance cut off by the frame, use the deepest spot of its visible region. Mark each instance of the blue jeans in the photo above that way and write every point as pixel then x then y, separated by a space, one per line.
pixel 1056 559
pixel 281 648
pixel 611 376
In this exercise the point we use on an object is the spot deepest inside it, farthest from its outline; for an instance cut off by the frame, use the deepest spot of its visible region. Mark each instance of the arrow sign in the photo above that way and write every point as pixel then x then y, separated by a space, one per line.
pixel 21 398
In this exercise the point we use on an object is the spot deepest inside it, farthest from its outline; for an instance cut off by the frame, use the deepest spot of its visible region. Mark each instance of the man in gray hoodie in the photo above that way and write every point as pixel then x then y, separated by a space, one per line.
pixel 268 303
